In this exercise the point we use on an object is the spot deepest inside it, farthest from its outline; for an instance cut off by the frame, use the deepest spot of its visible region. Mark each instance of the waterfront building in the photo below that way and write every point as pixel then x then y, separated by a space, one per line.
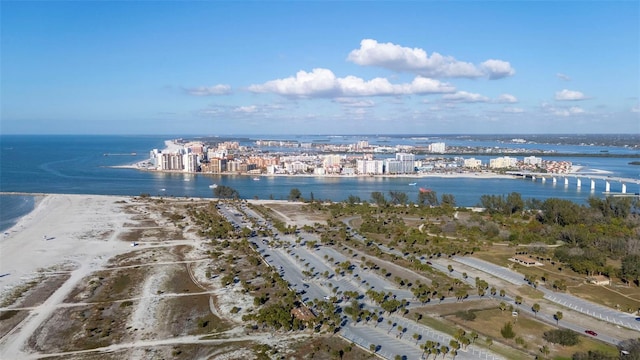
pixel 171 161
pixel 296 167
pixel 190 162
pixel 392 166
pixel 370 167
pixel 407 163
pixel 472 163
pixel 438 147
pixel 214 166
pixel 532 160
pixel 362 144
pixel 503 162
pixel 319 171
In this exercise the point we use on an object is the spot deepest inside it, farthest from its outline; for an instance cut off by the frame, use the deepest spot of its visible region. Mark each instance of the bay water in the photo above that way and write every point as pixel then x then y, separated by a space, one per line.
pixel 77 165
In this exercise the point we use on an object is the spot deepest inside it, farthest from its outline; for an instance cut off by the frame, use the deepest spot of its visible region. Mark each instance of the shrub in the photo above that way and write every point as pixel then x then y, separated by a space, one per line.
pixel 507 331
pixel 563 337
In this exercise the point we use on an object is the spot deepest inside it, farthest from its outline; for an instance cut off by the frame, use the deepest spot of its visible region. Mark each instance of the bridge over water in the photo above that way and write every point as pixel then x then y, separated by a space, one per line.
pixel 578 178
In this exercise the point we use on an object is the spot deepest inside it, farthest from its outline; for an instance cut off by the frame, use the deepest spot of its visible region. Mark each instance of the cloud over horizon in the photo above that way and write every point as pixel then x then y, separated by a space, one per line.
pixel 323 83
pixel 570 95
pixel 220 89
pixel 416 60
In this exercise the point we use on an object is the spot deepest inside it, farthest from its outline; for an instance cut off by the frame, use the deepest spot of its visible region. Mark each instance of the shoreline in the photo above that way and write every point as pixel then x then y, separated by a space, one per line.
pixel 172 146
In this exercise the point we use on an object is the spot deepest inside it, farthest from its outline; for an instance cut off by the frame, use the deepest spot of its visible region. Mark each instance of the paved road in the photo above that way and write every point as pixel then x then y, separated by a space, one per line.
pixel 291 259
pixel 567 300
pixel 518 279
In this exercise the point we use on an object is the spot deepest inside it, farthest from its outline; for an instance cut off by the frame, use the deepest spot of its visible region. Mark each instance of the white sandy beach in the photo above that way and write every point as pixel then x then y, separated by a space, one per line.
pixel 61 229
pixel 75 233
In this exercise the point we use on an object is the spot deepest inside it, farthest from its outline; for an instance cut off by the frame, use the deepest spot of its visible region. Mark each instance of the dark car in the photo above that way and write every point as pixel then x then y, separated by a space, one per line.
pixel 638 319
pixel 591 332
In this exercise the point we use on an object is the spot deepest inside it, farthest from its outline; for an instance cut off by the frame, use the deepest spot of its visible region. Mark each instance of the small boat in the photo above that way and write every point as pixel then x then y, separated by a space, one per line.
pixel 163 189
pixel 412 184
pixel 213 186
pixel 423 190
pixel 256 179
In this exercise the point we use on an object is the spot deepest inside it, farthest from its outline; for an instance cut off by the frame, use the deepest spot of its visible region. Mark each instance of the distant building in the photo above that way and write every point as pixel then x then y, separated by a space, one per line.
pixel 599 280
pixel 472 163
pixel 503 162
pixel 370 167
pixel 407 163
pixel 171 161
pixel 532 160
pixel 437 147
pixel 523 260
pixel 190 162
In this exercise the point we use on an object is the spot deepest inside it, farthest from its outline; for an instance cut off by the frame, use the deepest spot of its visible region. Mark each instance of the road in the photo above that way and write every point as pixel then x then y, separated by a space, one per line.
pixel 290 256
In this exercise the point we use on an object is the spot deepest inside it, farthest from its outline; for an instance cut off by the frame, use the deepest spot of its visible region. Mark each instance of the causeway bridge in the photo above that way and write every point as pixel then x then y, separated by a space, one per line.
pixel 579 178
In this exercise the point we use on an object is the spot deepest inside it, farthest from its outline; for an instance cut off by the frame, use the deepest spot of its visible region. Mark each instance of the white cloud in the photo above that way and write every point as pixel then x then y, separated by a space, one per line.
pixel 635 109
pixel 463 96
pixel 563 77
pixel 497 69
pixel 562 111
pixel 513 110
pixel 246 109
pixel 506 99
pixel 358 103
pixel 323 83
pixel 570 95
pixel 219 89
pixel 416 60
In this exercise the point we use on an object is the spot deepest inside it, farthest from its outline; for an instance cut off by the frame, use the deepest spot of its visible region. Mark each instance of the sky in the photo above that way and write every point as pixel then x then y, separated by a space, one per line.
pixel 331 67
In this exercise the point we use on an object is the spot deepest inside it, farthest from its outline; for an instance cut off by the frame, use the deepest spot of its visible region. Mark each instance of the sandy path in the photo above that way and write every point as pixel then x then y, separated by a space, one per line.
pixel 81 229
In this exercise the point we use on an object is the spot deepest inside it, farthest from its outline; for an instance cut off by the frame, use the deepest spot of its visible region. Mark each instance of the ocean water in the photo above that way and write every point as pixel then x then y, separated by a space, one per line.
pixel 13 207
pixel 78 165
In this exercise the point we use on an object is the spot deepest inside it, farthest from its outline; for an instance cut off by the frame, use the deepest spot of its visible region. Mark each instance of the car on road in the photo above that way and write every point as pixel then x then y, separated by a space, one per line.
pixel 638 319
pixel 591 332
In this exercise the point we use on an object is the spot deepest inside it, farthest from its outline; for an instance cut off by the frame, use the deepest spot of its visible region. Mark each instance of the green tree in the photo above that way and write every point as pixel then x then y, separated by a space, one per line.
pixel 398 197
pixel 225 192
pixel 378 198
pixel 428 198
pixel 448 200
pixel 294 194
pixel 558 317
pixel 561 212
pixel 631 267
pixel 536 309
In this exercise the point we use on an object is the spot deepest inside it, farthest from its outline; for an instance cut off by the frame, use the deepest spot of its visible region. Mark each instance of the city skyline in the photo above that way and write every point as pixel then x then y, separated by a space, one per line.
pixel 320 67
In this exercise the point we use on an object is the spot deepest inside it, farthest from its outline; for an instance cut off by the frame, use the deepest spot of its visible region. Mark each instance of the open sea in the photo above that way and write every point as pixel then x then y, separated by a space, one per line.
pixel 77 165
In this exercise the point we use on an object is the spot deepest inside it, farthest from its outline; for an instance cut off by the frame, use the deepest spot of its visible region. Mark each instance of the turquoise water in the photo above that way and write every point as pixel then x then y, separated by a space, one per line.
pixel 77 165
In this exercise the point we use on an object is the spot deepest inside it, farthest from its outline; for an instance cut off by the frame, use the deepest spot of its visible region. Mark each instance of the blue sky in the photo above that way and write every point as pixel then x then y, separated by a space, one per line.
pixel 206 67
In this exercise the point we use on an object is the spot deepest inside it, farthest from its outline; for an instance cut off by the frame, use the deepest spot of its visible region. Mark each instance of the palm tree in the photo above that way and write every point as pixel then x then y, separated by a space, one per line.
pixel 444 350
pixel 545 350
pixel 536 309
pixel 558 317
pixel 503 306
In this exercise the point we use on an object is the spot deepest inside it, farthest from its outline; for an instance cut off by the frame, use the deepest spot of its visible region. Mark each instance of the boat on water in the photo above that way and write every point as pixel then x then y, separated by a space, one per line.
pixel 412 184
pixel 256 179
pixel 423 190
pixel 213 186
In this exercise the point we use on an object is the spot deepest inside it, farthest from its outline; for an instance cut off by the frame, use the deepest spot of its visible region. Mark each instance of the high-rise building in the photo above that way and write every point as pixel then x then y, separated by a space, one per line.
pixel 437 147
